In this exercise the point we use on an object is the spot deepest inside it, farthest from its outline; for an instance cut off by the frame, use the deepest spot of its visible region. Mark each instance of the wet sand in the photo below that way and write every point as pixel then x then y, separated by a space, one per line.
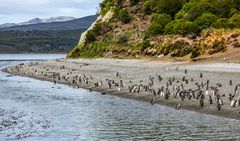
pixel 137 72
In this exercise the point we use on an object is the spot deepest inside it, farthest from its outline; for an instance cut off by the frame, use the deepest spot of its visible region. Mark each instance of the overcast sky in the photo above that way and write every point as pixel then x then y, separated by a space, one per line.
pixel 23 10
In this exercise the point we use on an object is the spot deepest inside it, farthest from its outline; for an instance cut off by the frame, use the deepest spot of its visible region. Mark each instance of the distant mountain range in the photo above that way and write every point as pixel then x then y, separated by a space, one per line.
pixel 44 35
pixel 38 21
pixel 80 23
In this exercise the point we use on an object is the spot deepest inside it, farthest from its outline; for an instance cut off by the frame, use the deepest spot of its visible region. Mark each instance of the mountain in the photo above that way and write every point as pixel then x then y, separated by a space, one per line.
pixel 55 37
pixel 163 29
pixel 38 21
pixel 82 23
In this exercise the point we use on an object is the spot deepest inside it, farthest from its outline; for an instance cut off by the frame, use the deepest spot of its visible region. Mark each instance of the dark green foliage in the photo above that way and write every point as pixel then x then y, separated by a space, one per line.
pixel 222 23
pixel 232 12
pixel 147 8
pixel 170 7
pixel 106 6
pixel 90 36
pixel 158 24
pixel 206 20
pixel 186 50
pixel 124 16
pixel 176 48
pixel 144 45
pixel 196 8
pixel 235 20
pixel 38 41
pixel 192 11
pixel 195 53
pixel 134 2
pixel 182 27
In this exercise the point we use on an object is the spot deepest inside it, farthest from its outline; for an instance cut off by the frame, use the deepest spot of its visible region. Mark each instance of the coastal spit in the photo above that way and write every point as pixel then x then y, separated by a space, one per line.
pixel 206 88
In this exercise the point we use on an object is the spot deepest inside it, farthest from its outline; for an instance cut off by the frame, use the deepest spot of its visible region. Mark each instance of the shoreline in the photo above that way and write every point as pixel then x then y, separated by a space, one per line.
pixel 134 71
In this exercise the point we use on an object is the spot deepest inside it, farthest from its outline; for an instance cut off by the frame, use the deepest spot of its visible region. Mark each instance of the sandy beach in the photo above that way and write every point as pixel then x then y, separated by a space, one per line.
pixel 147 81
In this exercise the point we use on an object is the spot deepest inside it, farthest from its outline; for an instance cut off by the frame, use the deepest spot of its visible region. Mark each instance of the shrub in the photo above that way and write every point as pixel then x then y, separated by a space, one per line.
pixel 124 16
pixel 192 11
pixel 235 20
pixel 233 11
pixel 205 20
pixel 195 8
pixel 147 8
pixel 217 47
pixel 182 27
pixel 222 23
pixel 134 2
pixel 170 7
pixel 144 45
pixel 186 50
pixel 175 49
pixel 158 23
pixel 90 36
pixel 106 6
pixel 195 53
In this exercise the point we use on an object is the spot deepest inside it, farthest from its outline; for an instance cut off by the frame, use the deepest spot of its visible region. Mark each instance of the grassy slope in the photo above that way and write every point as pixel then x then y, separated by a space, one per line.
pixel 133 39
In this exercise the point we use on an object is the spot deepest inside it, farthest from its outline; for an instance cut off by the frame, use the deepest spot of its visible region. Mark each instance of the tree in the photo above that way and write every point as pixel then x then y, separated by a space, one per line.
pixel 159 22
pixel 182 27
pixel 222 23
pixel 170 7
pixel 205 20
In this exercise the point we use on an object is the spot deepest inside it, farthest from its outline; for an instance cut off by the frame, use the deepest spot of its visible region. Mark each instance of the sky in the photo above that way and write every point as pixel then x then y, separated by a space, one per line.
pixel 12 11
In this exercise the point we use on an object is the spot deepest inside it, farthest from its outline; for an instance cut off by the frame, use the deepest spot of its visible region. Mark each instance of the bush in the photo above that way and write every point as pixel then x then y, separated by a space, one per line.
pixel 170 7
pixel 175 49
pixel 195 53
pixel 144 45
pixel 106 6
pixel 147 8
pixel 186 50
pixel 182 27
pixel 222 23
pixel 205 20
pixel 235 20
pixel 90 36
pixel 158 23
pixel 124 16
pixel 217 47
pixel 134 2
pixel 193 10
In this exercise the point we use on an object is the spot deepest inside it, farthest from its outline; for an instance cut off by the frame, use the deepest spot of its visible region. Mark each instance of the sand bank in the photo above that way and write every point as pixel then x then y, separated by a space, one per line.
pixel 116 77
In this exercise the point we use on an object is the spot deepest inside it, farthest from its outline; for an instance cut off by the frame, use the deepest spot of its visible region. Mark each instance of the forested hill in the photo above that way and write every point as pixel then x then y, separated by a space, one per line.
pixel 58 37
pixel 182 29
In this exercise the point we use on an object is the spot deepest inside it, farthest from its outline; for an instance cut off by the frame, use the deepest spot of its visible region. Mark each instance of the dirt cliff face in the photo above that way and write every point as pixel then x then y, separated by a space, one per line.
pixel 126 29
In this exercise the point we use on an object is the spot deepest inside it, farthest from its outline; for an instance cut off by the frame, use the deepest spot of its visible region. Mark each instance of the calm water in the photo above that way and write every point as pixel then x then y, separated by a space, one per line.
pixel 76 114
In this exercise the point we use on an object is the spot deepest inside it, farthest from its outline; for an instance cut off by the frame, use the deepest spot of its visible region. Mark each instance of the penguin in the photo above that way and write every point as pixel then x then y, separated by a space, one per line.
pixel 230 82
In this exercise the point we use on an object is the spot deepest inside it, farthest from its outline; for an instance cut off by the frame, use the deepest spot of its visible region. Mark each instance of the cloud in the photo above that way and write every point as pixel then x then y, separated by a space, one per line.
pixel 22 10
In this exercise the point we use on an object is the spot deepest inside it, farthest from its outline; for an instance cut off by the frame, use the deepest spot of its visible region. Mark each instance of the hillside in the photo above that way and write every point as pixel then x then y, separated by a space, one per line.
pixel 165 29
pixel 58 37
pixel 38 21
pixel 81 23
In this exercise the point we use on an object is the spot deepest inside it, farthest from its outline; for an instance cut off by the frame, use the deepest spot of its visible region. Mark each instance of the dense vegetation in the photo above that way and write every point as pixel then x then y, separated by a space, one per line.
pixel 185 18
pixel 38 41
